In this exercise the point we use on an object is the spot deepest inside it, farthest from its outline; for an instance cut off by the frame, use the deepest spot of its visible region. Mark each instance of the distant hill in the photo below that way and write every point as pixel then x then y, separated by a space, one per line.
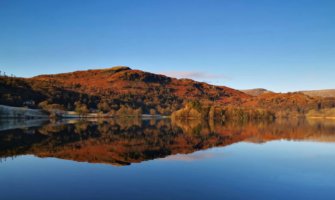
pixel 312 93
pixel 320 93
pixel 289 104
pixel 256 92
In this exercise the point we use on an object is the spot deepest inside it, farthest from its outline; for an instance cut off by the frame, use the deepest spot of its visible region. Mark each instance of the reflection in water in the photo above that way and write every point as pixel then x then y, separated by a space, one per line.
pixel 122 142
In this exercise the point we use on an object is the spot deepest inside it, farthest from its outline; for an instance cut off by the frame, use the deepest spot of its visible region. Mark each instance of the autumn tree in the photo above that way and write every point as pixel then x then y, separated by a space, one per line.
pixel 81 108
pixel 45 105
pixel 152 111
pixel 104 106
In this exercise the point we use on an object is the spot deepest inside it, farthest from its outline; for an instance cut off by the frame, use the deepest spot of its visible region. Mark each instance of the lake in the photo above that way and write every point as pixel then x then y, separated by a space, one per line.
pixel 160 159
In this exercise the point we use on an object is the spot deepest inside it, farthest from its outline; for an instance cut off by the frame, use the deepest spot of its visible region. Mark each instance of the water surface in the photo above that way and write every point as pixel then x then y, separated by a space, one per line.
pixel 160 159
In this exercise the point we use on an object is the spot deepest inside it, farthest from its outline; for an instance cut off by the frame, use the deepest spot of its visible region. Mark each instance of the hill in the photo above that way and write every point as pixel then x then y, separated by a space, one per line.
pixel 288 104
pixel 267 106
pixel 312 93
pixel 320 93
pixel 112 89
pixel 291 103
pixel 256 92
pixel 125 91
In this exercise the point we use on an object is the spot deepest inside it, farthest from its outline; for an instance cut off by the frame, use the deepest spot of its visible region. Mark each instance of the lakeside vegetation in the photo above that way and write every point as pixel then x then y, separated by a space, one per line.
pixel 322 113
pixel 195 110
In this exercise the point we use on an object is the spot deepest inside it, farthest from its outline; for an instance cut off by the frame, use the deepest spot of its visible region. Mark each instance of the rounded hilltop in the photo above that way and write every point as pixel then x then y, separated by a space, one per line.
pixel 117 68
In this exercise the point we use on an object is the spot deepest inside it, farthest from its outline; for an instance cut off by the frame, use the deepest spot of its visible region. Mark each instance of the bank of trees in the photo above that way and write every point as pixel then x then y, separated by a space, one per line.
pixel 196 110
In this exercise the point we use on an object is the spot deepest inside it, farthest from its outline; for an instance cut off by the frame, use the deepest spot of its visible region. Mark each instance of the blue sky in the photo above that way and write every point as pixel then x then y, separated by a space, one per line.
pixel 282 45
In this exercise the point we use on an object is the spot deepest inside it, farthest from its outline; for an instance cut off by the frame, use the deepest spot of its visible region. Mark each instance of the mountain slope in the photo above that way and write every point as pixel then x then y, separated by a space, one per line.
pixel 113 88
pixel 257 91
pixel 320 93
pixel 312 93
pixel 124 91
pixel 123 80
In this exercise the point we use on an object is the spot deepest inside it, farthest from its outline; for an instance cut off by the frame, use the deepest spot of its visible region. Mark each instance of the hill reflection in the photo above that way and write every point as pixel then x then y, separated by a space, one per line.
pixel 122 142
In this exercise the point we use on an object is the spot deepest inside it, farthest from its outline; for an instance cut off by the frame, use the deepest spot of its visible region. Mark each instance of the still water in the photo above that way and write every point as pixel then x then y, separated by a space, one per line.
pixel 160 159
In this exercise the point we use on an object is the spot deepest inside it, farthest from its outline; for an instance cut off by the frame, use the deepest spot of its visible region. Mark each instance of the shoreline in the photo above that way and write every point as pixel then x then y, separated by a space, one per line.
pixel 10 112
pixel 323 117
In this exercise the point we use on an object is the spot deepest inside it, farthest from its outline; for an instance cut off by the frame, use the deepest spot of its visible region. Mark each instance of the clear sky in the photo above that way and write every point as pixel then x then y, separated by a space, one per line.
pixel 281 45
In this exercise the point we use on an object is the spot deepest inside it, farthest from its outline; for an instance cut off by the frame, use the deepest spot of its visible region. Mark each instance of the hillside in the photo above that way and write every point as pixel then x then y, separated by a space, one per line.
pixel 111 90
pixel 291 103
pixel 320 93
pixel 125 81
pixel 125 91
pixel 257 91
pixel 312 93
pixel 288 104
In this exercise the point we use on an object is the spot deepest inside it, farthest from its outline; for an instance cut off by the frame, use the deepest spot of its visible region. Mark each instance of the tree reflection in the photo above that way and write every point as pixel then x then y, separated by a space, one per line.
pixel 125 141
